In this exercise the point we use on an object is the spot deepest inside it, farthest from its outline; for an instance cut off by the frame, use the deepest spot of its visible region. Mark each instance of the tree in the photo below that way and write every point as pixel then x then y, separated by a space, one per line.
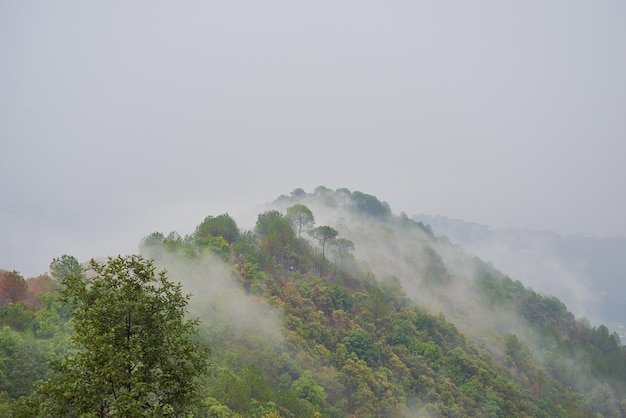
pixel 275 233
pixel 272 222
pixel 13 287
pixel 298 193
pixel 342 247
pixel 323 234
pixel 36 286
pixel 359 342
pixel 370 205
pixel 64 266
pixel 300 216
pixel 307 388
pixel 134 353
pixel 223 226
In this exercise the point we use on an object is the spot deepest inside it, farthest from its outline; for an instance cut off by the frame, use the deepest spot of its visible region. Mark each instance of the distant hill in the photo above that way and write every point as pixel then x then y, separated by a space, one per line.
pixel 587 273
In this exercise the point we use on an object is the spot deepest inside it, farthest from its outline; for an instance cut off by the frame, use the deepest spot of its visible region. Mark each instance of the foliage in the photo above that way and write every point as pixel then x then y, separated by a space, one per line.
pixel 275 234
pixel 17 316
pixel 134 353
pixel 297 335
pixel 36 286
pixel 64 266
pixel 223 226
pixel 323 234
pixel 13 287
pixel 158 245
pixel 370 205
pixel 300 217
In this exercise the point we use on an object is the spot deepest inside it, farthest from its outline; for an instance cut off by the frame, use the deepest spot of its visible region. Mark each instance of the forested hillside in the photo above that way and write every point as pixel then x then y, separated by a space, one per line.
pixel 330 305
pixel 587 273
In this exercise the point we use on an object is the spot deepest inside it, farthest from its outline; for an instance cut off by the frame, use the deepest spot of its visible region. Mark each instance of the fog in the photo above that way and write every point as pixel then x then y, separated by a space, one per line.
pixel 586 273
pixel 121 118
pixel 236 325
pixel 435 274
pixel 441 277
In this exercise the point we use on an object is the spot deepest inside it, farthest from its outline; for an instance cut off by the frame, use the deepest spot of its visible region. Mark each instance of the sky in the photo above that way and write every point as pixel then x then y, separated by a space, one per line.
pixel 118 119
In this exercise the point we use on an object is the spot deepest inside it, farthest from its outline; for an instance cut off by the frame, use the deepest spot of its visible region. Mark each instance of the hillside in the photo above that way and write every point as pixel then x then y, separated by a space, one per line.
pixel 332 305
pixel 587 273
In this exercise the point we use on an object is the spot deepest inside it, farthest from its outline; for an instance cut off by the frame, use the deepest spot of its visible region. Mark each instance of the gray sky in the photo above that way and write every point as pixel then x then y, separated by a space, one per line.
pixel 121 118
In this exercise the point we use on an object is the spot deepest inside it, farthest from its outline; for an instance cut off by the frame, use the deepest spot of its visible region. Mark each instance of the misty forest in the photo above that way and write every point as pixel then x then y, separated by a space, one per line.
pixel 329 305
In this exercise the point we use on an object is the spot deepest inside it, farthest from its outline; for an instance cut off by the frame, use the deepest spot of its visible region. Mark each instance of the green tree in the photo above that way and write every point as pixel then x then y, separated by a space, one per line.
pixel 64 266
pixel 17 316
pixel 307 388
pixel 275 233
pixel 134 353
pixel 359 342
pixel 223 226
pixel 300 217
pixel 272 222
pixel 298 193
pixel 22 362
pixel 370 205
pixel 323 234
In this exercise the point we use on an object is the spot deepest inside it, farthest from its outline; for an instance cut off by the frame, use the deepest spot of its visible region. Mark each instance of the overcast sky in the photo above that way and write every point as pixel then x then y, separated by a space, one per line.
pixel 121 118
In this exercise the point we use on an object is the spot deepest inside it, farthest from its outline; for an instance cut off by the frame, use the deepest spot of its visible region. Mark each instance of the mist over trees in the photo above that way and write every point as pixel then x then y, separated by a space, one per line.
pixel 366 314
pixel 585 272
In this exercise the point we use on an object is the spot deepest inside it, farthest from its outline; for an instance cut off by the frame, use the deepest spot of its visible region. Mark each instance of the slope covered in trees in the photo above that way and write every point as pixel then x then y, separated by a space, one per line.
pixel 586 272
pixel 330 305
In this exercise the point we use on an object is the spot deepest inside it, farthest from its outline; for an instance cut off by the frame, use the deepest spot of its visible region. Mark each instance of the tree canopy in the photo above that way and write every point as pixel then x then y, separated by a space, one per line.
pixel 323 234
pixel 64 266
pixel 12 287
pixel 134 354
pixel 223 226
pixel 300 216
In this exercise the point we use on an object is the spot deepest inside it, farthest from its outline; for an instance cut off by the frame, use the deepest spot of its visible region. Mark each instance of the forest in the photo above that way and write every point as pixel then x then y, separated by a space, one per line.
pixel 330 305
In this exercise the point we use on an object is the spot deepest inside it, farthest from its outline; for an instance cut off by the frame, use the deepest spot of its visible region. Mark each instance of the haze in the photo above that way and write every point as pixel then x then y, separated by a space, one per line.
pixel 121 118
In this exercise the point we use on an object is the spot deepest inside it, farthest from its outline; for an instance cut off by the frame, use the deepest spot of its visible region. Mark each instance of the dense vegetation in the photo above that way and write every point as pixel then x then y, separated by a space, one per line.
pixel 332 306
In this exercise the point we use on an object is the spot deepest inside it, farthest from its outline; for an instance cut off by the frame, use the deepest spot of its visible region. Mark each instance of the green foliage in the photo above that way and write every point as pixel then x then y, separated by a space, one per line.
pixel 273 222
pixel 298 335
pixel 359 342
pixel 222 226
pixel 435 271
pixel 64 266
pixel 276 235
pixel 370 205
pixel 298 192
pixel 134 353
pixel 250 395
pixel 214 409
pixel 300 217
pixel 157 245
pixel 22 362
pixel 306 388
pixel 17 316
pixel 214 245
pixel 341 298
pixel 323 234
